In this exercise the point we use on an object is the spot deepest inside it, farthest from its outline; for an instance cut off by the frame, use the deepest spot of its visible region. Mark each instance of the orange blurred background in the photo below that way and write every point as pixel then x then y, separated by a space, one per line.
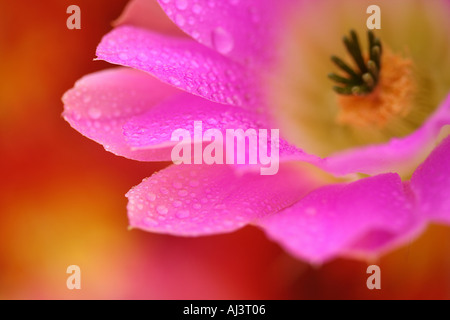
pixel 62 198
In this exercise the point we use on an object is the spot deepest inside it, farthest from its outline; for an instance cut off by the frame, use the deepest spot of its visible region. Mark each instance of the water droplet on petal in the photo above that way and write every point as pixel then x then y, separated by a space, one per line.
pixel 142 56
pixel 94 113
pixel 222 40
pixel 177 204
pixel 212 121
pixel 203 91
pixel 162 209
pixel 164 190
pixel 179 19
pixel 123 56
pixel 149 222
pixel 182 214
pixel 177 185
pixel 181 4
pixel 174 81
pixel 195 34
pixel 197 8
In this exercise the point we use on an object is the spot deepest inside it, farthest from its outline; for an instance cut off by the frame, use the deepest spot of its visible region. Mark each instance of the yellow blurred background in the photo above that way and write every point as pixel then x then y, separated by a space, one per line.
pixel 62 198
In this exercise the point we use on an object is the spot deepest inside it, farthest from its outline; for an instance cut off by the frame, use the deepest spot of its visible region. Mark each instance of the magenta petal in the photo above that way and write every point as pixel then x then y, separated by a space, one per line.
pixel 101 103
pixel 156 125
pixel 154 128
pixel 431 184
pixel 362 217
pixel 193 200
pixel 247 31
pixel 182 63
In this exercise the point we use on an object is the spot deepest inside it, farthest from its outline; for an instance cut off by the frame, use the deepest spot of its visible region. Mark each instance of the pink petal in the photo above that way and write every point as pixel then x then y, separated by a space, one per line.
pixel 182 63
pixel 246 31
pixel 363 217
pixel 398 155
pixel 101 103
pixel 193 200
pixel 431 184
pixel 149 15
pixel 154 128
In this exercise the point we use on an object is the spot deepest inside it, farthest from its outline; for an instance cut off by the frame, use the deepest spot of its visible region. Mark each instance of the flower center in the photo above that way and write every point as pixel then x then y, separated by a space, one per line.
pixel 371 95
pixel 364 79
pixel 384 90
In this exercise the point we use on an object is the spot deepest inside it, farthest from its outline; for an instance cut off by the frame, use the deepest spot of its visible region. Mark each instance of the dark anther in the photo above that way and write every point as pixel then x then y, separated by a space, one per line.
pixel 363 79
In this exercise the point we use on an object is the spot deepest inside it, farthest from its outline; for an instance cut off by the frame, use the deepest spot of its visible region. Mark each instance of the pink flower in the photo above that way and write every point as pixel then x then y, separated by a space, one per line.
pixel 357 177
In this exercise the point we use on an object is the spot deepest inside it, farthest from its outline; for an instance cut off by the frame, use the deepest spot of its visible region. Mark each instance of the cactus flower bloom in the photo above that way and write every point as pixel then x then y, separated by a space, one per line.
pixel 363 168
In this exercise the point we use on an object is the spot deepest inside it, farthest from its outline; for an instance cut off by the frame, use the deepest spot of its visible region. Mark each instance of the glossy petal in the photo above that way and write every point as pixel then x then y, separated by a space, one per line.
pixel 182 63
pixel 362 217
pixel 154 128
pixel 193 200
pixel 101 103
pixel 431 184
pixel 247 31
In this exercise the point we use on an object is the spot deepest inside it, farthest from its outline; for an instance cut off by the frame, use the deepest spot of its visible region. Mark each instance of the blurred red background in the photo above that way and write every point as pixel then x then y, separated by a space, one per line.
pixel 62 198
